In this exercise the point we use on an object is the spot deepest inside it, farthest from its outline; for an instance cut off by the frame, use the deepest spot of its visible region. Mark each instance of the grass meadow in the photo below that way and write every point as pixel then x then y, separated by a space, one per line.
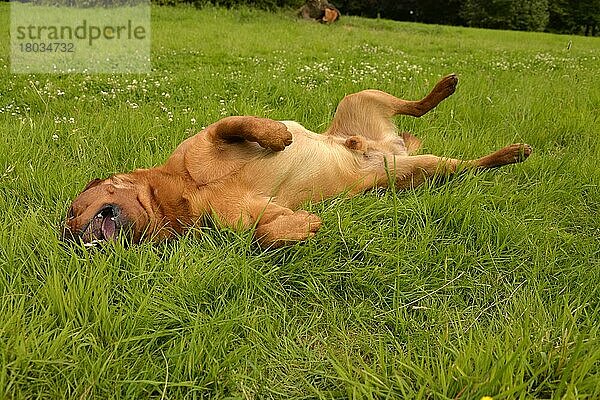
pixel 485 285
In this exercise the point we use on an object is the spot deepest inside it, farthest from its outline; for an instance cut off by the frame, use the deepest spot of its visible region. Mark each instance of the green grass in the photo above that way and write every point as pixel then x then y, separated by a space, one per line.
pixel 483 285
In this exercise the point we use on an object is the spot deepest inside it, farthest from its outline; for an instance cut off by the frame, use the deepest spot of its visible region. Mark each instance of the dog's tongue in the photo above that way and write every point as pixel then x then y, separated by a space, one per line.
pixel 109 228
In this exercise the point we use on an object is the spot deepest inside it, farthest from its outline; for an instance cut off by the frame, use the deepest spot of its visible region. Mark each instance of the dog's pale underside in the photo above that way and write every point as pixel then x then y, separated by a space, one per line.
pixel 251 172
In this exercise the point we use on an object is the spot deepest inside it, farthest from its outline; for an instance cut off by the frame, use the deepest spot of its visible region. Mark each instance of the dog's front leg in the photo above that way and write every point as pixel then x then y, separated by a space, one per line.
pixel 274 225
pixel 287 229
pixel 268 133
pixel 278 226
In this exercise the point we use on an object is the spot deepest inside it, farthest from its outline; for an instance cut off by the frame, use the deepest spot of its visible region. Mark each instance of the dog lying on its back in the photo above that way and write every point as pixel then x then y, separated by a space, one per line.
pixel 256 172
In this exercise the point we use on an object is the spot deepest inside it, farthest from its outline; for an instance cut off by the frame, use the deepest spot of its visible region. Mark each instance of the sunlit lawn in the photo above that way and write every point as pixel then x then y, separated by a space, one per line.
pixel 483 285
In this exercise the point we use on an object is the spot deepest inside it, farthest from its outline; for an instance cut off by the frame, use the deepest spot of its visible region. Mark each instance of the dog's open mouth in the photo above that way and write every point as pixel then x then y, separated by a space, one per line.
pixel 102 227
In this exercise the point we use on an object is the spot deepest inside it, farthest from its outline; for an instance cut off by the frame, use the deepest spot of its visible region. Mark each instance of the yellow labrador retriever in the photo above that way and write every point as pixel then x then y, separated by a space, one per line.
pixel 253 172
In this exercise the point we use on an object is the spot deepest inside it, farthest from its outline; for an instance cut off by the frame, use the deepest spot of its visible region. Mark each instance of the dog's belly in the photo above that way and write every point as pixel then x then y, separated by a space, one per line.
pixel 314 167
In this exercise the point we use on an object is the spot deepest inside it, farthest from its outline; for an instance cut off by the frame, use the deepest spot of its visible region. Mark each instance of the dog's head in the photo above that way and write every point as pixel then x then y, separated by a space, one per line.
pixel 107 209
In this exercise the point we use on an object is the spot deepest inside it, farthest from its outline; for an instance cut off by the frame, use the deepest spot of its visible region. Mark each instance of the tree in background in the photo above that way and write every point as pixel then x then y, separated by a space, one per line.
pixel 574 16
pixel 429 11
pixel 524 15
pixel 445 12
pixel 485 13
pixel 363 8
pixel 586 15
pixel 529 15
pixel 560 16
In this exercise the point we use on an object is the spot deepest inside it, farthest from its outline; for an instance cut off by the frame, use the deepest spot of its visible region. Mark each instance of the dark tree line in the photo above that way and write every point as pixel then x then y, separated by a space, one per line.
pixel 560 16
pixel 563 16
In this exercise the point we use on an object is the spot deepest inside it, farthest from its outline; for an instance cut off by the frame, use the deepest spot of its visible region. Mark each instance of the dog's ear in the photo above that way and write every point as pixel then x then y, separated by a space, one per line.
pixel 92 183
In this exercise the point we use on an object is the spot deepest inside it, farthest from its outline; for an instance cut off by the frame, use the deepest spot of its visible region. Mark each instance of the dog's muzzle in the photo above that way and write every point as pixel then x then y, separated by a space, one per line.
pixel 102 227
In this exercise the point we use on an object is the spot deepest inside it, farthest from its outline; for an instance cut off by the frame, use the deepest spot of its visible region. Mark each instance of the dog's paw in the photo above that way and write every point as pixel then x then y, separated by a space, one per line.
pixel 514 153
pixel 525 151
pixel 276 136
pixel 309 223
pixel 288 229
pixel 447 85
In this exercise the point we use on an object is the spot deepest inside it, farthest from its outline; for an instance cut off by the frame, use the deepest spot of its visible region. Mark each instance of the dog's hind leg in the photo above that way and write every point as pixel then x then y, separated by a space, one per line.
pixel 268 133
pixel 411 171
pixel 367 113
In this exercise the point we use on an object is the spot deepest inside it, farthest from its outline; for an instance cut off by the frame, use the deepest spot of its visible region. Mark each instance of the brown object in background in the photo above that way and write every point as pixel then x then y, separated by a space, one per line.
pixel 319 10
